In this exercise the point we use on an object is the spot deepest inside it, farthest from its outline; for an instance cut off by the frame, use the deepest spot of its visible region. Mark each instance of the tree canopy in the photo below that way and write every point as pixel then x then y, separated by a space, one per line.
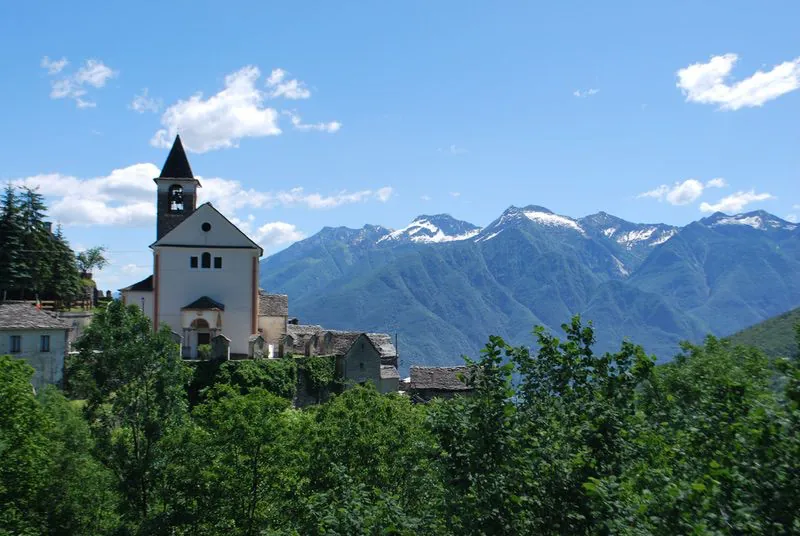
pixel 553 440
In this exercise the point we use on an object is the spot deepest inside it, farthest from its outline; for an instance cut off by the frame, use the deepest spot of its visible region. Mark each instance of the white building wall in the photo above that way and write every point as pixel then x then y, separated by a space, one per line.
pixel 142 299
pixel 49 366
pixel 179 285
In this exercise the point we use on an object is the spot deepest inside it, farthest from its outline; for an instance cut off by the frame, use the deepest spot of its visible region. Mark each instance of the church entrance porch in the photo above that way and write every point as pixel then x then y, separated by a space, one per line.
pixel 201 321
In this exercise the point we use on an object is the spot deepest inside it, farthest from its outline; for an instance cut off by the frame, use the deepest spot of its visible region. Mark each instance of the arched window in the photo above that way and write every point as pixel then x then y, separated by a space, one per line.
pixel 205 260
pixel 175 198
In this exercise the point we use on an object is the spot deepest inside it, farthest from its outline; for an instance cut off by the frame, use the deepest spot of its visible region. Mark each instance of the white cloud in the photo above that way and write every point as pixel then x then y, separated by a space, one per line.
pixel 425 197
pixel 126 196
pixel 683 193
pixel 298 124
pixel 290 89
pixel 54 66
pixel 796 207
pixel 586 92
pixel 705 83
pixel 93 73
pixel 383 194
pixel 144 103
pixel 455 194
pixel 221 120
pixel 735 202
pixel 277 233
pixel 270 234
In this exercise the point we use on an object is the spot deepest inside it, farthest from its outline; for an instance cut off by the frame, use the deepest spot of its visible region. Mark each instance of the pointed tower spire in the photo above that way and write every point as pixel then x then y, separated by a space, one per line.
pixel 177 165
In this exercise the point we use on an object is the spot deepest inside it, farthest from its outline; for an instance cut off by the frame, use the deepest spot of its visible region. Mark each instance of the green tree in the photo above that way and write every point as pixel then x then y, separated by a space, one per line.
pixel 66 284
pixel 37 241
pixel 135 384
pixel 92 258
pixel 13 265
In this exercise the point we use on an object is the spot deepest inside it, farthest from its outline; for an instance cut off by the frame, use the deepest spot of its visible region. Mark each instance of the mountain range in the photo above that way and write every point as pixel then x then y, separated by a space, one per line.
pixel 444 285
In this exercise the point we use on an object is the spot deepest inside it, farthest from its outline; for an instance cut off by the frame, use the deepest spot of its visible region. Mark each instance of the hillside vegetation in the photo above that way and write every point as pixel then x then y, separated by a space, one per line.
pixel 775 337
pixel 580 443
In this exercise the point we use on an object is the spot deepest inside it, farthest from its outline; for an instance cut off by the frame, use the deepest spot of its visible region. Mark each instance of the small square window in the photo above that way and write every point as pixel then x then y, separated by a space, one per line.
pixel 15 345
pixel 217 263
pixel 44 345
pixel 192 262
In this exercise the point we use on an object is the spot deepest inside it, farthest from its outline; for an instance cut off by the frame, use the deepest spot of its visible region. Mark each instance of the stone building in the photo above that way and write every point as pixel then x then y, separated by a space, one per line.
pixel 38 337
pixel 427 383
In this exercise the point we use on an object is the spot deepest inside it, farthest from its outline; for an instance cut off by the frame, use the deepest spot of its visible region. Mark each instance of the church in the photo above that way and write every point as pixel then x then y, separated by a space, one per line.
pixel 205 273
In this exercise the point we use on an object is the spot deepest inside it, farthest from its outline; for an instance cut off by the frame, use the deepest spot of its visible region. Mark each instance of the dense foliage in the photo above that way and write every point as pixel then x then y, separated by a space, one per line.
pixel 560 440
pixel 34 260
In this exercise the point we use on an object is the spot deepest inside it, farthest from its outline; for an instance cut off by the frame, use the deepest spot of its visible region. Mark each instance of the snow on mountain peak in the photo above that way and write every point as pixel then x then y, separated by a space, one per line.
pixel 758 220
pixel 553 220
pixel 434 229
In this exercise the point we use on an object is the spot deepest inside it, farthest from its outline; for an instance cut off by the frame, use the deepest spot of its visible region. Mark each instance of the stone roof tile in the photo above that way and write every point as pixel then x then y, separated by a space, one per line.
pixel 27 316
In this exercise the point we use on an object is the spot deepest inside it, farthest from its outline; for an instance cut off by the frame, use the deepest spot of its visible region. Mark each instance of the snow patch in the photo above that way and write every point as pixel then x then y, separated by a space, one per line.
pixel 489 237
pixel 639 235
pixel 437 235
pixel 620 267
pixel 553 220
pixel 610 231
pixel 663 238
pixel 753 221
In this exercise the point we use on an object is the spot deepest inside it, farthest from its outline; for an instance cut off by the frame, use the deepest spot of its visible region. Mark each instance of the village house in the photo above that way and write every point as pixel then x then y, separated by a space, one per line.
pixel 427 383
pixel 38 337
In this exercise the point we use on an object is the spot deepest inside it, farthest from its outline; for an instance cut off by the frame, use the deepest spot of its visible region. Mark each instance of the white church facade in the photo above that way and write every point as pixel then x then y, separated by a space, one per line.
pixel 205 272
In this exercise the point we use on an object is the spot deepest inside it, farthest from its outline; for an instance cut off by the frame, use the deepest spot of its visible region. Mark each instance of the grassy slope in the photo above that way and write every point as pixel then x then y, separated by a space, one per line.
pixel 775 336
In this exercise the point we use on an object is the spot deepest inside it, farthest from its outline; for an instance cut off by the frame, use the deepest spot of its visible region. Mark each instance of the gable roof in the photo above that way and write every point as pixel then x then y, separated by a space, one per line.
pixel 383 343
pixel 27 316
pixel 302 329
pixel 204 211
pixel 340 341
pixel 439 378
pixel 272 304
pixel 145 285
pixel 205 303
pixel 177 165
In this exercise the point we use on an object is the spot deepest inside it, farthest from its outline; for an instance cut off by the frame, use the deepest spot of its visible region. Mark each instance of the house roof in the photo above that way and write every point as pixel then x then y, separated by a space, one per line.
pixel 302 329
pixel 341 341
pixel 439 378
pixel 177 164
pixel 383 343
pixel 272 304
pixel 26 316
pixel 205 303
pixel 389 372
pixel 145 285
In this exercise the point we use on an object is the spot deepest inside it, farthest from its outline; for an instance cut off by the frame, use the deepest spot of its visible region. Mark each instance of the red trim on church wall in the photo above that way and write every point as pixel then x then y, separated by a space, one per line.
pixel 155 292
pixel 255 296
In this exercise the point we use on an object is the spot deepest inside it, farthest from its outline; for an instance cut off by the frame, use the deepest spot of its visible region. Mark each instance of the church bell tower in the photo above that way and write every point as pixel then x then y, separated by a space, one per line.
pixel 177 190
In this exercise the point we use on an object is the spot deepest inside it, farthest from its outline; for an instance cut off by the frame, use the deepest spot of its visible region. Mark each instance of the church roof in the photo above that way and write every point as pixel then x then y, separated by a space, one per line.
pixel 177 165
pixel 205 303
pixel 145 285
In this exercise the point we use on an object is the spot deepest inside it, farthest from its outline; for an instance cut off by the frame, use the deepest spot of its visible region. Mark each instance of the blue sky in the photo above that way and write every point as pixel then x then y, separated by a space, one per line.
pixel 303 115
